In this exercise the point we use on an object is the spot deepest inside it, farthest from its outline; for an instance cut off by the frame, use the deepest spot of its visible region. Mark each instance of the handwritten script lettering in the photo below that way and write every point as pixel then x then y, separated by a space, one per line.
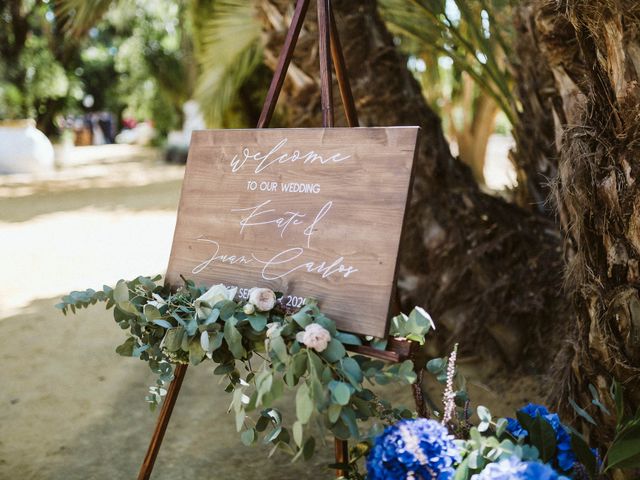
pixel 260 161
pixel 285 257
pixel 230 259
pixel 261 215
pixel 280 265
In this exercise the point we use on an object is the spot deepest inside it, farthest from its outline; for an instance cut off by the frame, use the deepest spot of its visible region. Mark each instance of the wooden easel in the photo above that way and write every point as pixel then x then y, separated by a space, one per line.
pixel 330 51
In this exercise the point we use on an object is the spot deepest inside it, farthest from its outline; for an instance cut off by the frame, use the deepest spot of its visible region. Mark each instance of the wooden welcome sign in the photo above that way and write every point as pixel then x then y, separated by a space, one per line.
pixel 307 212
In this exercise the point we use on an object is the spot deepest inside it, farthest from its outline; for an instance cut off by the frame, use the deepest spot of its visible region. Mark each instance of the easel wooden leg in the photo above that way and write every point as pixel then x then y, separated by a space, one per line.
pixel 341 75
pixel 342 455
pixel 283 63
pixel 418 396
pixel 163 421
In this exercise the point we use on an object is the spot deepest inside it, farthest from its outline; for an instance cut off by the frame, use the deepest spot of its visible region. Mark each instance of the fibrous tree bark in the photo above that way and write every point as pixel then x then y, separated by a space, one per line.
pixel 535 155
pixel 593 49
pixel 487 270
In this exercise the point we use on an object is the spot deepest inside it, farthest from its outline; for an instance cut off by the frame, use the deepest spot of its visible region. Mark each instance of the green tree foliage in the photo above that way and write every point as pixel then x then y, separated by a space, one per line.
pixel 458 51
pixel 135 58
pixel 213 52
pixel 33 77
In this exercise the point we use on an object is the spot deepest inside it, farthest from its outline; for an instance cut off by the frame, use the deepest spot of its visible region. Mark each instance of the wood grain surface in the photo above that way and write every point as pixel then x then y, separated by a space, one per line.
pixel 243 221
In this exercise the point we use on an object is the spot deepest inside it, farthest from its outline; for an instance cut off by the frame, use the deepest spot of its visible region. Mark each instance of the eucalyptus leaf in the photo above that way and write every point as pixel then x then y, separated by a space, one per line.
pixel 248 437
pixel 352 371
pixel 582 412
pixel 334 351
pixel 340 392
pixel 173 339
pixel 302 317
pixel 273 435
pixel 204 341
pixel 121 292
pixel 484 414
pixel 258 322
pixel 297 433
pixel 309 448
pixel 196 352
pixel 126 349
pixel 501 426
pixel 304 404
pixel 348 338
pixel 436 365
pixel 163 324
pixel 334 412
pixel 152 314
pixel 278 347
pixel 234 339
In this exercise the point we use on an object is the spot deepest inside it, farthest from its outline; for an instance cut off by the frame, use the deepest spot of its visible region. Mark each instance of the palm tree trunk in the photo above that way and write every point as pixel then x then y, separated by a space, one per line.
pixel 535 155
pixel 488 270
pixel 594 52
pixel 474 138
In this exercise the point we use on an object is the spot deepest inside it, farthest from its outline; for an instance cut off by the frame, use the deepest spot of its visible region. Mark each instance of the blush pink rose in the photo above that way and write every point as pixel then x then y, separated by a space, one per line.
pixel 314 336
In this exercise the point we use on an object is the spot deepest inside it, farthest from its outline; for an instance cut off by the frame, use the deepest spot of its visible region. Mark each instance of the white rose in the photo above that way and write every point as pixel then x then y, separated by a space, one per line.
pixel 314 336
pixel 273 329
pixel 249 309
pixel 212 296
pixel 263 298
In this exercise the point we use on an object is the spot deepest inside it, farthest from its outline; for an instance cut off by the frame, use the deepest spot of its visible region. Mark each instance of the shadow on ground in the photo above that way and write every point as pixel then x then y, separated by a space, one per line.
pixel 155 196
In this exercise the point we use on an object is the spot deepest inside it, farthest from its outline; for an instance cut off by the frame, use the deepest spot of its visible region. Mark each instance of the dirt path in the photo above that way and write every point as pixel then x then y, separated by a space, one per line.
pixel 71 409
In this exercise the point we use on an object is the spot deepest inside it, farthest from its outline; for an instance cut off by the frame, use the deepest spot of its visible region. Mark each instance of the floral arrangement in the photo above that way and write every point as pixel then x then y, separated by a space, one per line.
pixel 262 348
pixel 413 449
pixel 535 445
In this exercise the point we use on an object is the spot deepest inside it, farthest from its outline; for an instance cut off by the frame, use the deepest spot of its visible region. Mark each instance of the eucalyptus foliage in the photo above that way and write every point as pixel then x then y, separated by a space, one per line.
pixel 259 355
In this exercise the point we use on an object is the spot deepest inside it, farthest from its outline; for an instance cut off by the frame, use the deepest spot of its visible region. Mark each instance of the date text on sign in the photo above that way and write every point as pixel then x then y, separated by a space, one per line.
pixel 308 212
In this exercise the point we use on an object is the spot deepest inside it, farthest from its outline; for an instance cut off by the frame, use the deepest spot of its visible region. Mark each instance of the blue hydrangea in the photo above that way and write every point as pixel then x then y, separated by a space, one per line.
pixel 515 469
pixel 564 454
pixel 418 449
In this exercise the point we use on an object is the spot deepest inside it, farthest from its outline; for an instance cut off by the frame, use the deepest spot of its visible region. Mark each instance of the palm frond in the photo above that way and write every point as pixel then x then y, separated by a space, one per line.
pixel 79 16
pixel 230 51
pixel 475 47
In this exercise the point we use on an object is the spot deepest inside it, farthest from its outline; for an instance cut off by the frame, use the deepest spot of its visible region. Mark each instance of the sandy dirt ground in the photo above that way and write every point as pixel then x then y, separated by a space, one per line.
pixel 70 408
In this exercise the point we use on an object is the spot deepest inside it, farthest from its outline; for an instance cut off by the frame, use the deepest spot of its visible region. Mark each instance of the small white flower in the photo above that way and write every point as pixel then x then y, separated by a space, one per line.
pixel 212 296
pixel 314 336
pixel 249 309
pixel 273 329
pixel 264 299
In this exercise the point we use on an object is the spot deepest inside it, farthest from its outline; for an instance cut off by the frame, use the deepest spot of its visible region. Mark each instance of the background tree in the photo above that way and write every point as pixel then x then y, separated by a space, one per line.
pixel 469 40
pixel 593 50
